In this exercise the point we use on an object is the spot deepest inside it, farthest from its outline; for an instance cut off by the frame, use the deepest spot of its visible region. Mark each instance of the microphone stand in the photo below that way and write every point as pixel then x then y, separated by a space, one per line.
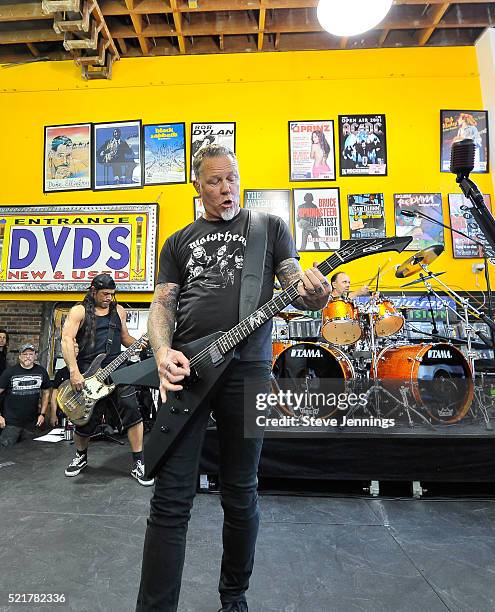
pixel 490 319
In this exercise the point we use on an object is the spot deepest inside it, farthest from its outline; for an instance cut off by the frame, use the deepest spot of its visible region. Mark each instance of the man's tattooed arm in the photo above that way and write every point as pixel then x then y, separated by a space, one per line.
pixel 161 319
pixel 314 288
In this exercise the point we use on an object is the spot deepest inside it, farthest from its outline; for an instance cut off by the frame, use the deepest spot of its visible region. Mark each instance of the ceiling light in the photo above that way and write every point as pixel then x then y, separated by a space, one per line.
pixel 351 17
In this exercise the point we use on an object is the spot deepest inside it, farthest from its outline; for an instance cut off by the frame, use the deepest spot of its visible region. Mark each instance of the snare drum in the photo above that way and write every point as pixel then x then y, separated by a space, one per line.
pixel 387 321
pixel 439 377
pixel 341 323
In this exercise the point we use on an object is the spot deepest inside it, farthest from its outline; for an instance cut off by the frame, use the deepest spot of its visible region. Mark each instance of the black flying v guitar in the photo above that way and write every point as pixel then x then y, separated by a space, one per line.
pixel 210 356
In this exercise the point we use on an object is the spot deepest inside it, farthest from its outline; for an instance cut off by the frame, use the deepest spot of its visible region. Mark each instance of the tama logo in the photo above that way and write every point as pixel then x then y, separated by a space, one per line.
pixel 305 353
pixel 439 354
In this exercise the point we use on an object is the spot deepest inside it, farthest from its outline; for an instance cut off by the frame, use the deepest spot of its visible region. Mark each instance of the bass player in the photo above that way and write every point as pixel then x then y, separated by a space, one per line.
pixel 98 325
pixel 199 302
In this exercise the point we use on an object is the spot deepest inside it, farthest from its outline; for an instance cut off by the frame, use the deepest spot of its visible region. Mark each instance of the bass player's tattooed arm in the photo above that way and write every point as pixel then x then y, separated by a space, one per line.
pixel 314 288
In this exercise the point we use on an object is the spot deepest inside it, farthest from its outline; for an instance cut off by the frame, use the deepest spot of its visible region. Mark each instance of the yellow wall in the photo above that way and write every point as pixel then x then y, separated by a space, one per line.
pixel 261 92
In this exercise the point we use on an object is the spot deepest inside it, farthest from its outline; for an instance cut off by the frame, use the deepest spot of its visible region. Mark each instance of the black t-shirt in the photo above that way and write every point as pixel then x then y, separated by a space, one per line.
pixel 205 258
pixel 22 392
pixel 3 360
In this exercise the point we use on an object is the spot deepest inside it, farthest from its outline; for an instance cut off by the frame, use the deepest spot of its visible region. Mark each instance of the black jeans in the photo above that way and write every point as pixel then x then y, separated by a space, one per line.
pixel 175 488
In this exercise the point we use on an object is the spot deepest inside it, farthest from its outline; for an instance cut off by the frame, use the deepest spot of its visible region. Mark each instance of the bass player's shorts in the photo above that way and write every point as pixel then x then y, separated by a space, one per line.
pixel 120 409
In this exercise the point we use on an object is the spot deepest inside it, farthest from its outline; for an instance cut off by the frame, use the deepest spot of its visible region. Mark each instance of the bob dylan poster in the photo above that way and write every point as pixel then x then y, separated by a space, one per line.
pixel 425 233
pixel 366 215
pixel 273 201
pixel 311 151
pixel 204 134
pixel 362 145
pixel 164 154
pixel 67 161
pixel 458 125
pixel 461 219
pixel 317 219
pixel 118 155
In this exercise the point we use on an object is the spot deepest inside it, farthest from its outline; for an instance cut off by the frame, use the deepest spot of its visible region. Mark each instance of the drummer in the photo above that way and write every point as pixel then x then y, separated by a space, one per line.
pixel 341 283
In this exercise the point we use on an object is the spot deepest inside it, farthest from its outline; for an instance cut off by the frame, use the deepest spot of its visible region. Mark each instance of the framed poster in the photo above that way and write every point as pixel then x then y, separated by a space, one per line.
pixel 461 219
pixel 199 208
pixel 67 157
pixel 425 233
pixel 164 154
pixel 311 151
pixel 366 215
pixel 273 201
pixel 117 155
pixel 317 224
pixel 62 248
pixel 204 134
pixel 456 125
pixel 362 145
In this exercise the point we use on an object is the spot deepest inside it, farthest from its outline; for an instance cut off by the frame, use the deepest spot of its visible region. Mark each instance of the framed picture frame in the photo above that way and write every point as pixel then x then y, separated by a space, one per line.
pixel 362 145
pixel 311 150
pixel 67 157
pixel 461 219
pixel 366 215
pixel 425 233
pixel 456 125
pixel 274 201
pixel 204 134
pixel 198 207
pixel 164 153
pixel 317 225
pixel 117 155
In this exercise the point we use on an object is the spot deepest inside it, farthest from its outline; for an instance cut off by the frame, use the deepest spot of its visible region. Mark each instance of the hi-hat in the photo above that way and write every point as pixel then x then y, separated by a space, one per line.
pixel 422 278
pixel 412 265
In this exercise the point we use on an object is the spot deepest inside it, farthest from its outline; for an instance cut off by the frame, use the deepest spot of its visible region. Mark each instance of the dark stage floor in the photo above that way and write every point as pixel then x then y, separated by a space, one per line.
pixel 83 537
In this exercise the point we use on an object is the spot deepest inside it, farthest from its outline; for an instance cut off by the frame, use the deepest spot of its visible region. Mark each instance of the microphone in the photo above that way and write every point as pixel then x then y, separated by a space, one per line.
pixel 462 157
pixel 409 213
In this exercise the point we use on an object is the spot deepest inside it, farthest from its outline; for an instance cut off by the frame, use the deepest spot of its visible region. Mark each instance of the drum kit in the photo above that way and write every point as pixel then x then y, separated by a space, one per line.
pixel 366 341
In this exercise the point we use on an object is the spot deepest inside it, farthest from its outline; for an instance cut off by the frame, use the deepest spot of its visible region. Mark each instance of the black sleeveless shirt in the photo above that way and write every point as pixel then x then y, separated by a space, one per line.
pixel 88 352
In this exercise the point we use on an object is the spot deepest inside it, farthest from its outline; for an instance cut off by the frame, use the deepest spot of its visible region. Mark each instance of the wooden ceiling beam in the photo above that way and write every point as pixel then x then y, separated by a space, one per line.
pixel 29 36
pixel 261 26
pixel 178 26
pixel 423 36
pixel 122 45
pixel 32 48
pixel 383 37
pixel 17 11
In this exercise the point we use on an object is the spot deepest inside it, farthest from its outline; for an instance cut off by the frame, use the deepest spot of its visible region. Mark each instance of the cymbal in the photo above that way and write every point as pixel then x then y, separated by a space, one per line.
pixel 288 315
pixel 412 265
pixel 423 277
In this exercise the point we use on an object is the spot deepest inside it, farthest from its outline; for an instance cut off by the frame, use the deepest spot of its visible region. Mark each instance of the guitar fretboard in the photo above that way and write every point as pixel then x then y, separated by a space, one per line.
pixel 104 373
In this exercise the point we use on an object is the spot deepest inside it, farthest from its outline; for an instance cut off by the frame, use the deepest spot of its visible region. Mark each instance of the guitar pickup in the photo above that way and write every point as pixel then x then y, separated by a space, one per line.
pixel 215 354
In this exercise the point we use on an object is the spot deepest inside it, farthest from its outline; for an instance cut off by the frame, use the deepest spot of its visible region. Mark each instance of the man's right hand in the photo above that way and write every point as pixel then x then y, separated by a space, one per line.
pixel 2 422
pixel 77 380
pixel 173 366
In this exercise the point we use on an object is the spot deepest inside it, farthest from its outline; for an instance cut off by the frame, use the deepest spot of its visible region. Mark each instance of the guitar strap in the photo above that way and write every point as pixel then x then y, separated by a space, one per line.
pixel 111 330
pixel 254 263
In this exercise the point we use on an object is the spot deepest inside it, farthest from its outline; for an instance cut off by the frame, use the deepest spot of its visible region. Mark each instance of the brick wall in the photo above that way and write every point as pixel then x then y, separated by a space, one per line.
pixel 24 322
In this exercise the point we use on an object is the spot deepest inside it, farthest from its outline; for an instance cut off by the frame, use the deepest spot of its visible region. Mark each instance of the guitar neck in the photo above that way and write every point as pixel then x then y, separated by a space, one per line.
pixel 113 365
pixel 351 250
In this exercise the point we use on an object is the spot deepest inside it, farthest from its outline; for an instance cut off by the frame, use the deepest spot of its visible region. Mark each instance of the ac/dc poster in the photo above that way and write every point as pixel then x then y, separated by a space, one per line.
pixel 362 145
pixel 457 125
pixel 424 232
pixel 462 220
pixel 366 215
pixel 317 219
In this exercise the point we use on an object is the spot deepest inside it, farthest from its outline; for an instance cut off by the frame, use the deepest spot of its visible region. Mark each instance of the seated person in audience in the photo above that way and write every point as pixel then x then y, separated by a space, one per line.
pixel 24 385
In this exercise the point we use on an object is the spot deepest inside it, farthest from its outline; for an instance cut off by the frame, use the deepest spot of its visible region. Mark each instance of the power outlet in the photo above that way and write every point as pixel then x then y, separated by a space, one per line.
pixel 477 267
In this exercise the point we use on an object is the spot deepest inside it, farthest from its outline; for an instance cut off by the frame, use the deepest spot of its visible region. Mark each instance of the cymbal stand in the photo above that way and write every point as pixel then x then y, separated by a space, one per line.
pixel 372 309
pixel 445 304
pixel 467 307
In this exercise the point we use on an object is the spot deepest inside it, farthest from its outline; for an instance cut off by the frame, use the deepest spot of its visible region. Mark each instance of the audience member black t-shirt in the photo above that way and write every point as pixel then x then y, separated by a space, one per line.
pixel 22 392
pixel 205 258
pixel 3 360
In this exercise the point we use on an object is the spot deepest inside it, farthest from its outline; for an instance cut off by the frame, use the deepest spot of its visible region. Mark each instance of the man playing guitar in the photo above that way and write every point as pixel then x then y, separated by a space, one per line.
pixel 98 325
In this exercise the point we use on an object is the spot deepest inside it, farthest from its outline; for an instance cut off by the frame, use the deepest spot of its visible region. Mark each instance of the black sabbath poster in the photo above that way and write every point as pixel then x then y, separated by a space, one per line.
pixel 456 125
pixel 317 219
pixel 424 232
pixel 362 145
pixel 366 215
